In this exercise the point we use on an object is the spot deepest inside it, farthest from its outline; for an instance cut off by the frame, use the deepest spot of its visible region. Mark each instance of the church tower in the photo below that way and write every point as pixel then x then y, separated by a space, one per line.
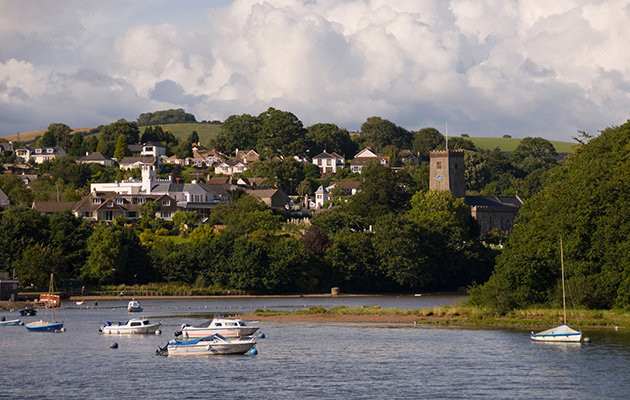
pixel 447 172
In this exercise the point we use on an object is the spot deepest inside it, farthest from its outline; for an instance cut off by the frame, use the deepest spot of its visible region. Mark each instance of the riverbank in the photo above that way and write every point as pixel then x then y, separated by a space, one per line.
pixel 458 315
pixel 463 316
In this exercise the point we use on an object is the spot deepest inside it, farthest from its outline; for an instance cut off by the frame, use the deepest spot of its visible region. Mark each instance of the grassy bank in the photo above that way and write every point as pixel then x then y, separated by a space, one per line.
pixel 464 316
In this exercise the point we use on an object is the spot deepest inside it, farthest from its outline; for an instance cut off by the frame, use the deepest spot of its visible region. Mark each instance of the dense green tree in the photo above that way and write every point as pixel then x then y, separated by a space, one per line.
pixel 439 211
pixel 534 153
pixel 183 150
pixel 382 191
pixel 130 130
pixel 37 262
pixel 76 146
pixel 330 138
pixel 47 140
pixel 121 148
pixel 281 134
pixel 338 220
pixel 352 264
pixel 427 140
pixel 173 262
pixel 193 138
pixel 21 227
pixel 405 252
pixel 69 234
pixel 62 135
pixel 286 173
pixel 185 221
pixel 289 267
pixel 103 265
pixel 378 133
pixel 172 116
pixel 237 132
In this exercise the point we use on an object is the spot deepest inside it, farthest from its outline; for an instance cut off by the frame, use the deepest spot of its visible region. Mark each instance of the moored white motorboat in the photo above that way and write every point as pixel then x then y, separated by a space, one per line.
pixel 134 325
pixel 209 345
pixel 134 306
pixel 226 327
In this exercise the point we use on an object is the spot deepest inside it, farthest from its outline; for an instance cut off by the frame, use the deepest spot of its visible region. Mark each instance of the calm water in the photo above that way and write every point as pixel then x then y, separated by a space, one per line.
pixel 307 360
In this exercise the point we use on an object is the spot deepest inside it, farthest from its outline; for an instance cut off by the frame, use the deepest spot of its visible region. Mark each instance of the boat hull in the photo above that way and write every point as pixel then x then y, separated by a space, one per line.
pixel 209 347
pixel 148 329
pixel 45 327
pixel 561 333
pixel 192 332
pixel 13 322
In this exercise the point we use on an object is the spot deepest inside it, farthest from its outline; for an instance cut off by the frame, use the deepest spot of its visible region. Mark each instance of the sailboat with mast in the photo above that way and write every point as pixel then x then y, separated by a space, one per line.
pixel 44 326
pixel 562 333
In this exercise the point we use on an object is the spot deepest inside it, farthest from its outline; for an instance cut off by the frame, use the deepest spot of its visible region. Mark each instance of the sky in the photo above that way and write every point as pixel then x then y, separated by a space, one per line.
pixel 524 68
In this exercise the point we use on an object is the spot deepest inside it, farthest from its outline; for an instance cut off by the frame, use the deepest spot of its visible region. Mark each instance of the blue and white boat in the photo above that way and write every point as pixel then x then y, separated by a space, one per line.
pixel 44 326
pixel 562 333
pixel 209 345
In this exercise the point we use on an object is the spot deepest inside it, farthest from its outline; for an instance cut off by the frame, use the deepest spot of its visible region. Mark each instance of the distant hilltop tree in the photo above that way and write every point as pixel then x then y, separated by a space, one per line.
pixel 178 116
pixel 507 137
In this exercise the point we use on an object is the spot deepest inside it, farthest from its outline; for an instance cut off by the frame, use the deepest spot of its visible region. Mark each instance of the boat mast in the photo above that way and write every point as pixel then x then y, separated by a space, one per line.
pixel 50 299
pixel 564 302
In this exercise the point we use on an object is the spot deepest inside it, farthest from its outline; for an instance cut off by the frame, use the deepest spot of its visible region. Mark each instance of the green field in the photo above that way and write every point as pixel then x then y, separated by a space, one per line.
pixel 182 131
pixel 509 144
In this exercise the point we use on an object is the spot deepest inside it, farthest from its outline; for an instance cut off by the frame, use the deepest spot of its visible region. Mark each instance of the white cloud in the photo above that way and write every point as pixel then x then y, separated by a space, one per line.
pixel 487 67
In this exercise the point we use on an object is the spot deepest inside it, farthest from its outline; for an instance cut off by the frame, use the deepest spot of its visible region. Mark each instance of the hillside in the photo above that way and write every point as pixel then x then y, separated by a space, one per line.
pixel 209 131
pixel 34 135
pixel 182 131
pixel 509 144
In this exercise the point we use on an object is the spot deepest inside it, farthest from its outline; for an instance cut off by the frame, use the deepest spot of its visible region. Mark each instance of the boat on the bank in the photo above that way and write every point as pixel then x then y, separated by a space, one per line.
pixel 562 333
pixel 46 326
pixel 133 326
pixel 226 327
pixel 11 322
pixel 80 302
pixel 28 312
pixel 134 306
pixel 209 345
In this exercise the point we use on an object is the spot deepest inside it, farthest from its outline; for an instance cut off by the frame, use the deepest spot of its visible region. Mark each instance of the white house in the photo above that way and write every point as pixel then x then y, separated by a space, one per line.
pixel 39 154
pixel 230 167
pixel 364 157
pixel 328 162
pixel 321 196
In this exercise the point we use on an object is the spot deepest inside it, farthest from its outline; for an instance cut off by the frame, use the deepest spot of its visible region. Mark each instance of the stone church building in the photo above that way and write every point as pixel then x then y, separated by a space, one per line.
pixel 491 212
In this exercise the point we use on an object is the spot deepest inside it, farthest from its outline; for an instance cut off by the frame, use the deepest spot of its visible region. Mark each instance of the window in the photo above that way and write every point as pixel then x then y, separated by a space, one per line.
pixel 456 166
pixel 119 200
pixel 438 165
pixel 96 200
pixel 166 202
pixel 110 204
pixel 165 214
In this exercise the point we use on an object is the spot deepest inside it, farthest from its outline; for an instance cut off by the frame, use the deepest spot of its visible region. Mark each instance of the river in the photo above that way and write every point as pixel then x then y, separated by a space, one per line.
pixel 306 360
